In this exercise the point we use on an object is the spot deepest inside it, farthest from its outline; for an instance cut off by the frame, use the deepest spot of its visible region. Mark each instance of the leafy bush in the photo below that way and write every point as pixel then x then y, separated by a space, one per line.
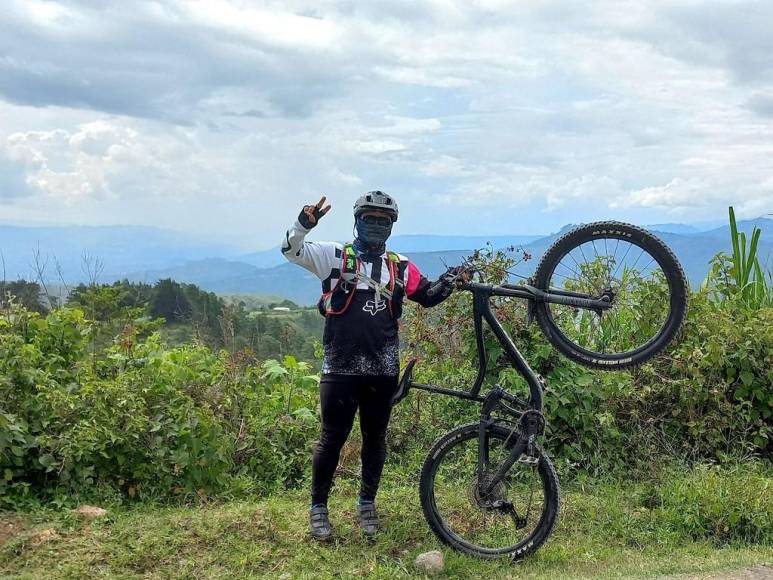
pixel 152 422
pixel 711 395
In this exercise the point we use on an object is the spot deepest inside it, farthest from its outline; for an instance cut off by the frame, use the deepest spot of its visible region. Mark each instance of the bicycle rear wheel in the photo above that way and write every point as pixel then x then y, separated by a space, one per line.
pixel 464 518
pixel 637 272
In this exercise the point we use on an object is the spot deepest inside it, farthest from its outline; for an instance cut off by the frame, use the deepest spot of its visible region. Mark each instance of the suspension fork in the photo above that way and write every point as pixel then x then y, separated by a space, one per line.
pixel 531 424
pixel 489 404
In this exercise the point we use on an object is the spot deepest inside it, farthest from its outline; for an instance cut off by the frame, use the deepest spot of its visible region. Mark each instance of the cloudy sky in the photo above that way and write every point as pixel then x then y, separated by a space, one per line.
pixel 224 117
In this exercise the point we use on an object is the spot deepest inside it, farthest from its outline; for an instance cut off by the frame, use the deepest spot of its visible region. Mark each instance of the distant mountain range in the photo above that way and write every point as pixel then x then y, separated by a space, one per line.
pixel 148 254
pixel 405 244
pixel 122 249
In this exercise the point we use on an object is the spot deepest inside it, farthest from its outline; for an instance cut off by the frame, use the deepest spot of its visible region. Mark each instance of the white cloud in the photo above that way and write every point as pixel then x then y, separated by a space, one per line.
pixel 100 158
pixel 277 27
pixel 230 108
pixel 375 146
pixel 346 178
pixel 445 166
pixel 677 193
pixel 587 189
pixel 419 76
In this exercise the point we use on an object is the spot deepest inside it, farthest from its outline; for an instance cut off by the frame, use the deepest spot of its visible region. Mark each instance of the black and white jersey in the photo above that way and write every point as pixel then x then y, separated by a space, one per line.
pixel 364 339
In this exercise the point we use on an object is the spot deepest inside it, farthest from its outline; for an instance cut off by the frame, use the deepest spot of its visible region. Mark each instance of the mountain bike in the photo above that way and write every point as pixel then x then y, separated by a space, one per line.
pixel 608 295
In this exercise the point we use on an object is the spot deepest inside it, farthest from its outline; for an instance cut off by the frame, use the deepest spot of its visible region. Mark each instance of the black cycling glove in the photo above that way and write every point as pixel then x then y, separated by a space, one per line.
pixel 311 214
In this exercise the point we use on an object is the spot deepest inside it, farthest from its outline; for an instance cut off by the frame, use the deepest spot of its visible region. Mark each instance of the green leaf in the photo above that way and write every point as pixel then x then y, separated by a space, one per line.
pixel 747 378
pixel 584 380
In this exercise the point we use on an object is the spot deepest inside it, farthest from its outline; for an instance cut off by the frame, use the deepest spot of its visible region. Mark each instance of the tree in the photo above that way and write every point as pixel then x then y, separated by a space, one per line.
pixel 169 302
pixel 28 294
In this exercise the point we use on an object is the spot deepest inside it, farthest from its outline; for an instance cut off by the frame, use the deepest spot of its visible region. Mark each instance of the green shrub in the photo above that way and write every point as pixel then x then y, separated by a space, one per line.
pixel 739 277
pixel 276 410
pixel 722 505
pixel 150 422
pixel 711 395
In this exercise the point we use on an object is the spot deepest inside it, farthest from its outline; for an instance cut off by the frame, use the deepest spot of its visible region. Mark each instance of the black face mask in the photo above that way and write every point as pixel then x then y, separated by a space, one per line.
pixel 373 235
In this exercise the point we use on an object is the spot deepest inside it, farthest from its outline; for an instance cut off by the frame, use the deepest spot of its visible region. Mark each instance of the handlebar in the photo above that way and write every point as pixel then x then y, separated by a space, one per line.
pixel 454 276
pixel 437 286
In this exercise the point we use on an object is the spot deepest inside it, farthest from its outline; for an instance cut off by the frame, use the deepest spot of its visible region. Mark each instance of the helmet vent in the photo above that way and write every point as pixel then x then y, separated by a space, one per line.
pixel 376 200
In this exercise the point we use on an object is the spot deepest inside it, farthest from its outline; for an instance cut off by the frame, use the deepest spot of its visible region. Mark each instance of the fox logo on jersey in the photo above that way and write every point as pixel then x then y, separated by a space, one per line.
pixel 373 307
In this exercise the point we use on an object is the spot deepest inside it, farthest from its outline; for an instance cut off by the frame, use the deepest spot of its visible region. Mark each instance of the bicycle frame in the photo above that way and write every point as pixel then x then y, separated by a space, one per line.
pixel 482 311
pixel 531 420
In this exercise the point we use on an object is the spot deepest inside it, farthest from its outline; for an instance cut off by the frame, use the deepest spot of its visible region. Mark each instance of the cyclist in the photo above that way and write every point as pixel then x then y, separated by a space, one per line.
pixel 363 286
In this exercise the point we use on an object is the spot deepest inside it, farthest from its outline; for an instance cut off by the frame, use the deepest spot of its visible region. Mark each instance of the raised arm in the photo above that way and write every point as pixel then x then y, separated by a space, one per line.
pixel 317 257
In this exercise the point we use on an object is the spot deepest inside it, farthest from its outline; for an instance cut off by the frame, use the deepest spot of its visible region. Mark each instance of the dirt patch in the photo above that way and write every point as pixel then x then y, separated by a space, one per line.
pixel 10 526
pixel 44 536
pixel 754 573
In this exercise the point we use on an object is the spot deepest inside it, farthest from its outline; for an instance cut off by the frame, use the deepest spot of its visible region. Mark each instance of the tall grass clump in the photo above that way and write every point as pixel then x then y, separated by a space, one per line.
pixel 740 276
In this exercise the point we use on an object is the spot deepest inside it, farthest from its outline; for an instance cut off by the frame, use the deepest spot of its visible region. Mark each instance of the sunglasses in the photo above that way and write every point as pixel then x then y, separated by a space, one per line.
pixel 371 219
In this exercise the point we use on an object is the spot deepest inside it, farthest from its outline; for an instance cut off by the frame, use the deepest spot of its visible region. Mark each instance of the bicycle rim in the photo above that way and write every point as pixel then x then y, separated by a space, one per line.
pixel 466 514
pixel 632 277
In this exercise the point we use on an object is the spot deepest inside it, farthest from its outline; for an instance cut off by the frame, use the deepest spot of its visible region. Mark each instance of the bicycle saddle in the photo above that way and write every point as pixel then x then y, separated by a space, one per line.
pixel 404 384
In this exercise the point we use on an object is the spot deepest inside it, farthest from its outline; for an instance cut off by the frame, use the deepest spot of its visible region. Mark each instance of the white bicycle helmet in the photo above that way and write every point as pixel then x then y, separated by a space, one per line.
pixel 376 200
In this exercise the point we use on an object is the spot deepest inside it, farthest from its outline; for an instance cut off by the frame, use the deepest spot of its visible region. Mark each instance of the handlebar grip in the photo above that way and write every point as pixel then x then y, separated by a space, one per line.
pixel 435 288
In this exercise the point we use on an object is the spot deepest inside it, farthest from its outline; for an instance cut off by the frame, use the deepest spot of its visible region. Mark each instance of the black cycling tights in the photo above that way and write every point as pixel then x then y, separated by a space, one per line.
pixel 340 396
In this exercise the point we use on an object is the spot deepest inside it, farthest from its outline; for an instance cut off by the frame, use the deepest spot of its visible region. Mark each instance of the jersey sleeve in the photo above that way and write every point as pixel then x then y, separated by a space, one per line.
pixel 317 257
pixel 417 284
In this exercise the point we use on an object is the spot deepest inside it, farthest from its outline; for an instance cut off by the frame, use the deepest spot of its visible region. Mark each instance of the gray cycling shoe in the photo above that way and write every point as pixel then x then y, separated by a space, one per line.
pixel 368 518
pixel 319 524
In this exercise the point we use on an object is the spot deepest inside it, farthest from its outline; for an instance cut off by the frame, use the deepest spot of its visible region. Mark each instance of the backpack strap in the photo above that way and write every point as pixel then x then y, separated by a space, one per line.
pixel 349 259
pixel 349 263
pixel 397 270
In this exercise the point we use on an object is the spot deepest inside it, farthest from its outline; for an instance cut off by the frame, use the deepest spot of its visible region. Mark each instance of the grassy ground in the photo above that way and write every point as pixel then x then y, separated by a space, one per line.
pixel 604 531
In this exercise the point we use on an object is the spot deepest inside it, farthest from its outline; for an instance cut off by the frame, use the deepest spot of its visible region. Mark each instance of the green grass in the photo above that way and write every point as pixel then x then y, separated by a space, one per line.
pixel 605 530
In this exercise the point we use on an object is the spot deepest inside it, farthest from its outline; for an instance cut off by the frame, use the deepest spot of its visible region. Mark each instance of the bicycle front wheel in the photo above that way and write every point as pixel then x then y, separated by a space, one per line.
pixel 466 518
pixel 632 269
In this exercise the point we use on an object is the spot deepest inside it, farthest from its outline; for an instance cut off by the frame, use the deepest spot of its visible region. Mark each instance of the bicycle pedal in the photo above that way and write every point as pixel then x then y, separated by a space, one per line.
pixel 528 459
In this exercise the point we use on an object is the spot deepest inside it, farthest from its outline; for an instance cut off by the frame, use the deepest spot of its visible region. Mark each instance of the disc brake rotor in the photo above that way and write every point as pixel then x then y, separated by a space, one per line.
pixel 486 501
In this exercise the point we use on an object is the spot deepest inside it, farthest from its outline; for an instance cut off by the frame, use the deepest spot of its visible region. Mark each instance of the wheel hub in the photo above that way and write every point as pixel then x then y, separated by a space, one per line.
pixel 490 501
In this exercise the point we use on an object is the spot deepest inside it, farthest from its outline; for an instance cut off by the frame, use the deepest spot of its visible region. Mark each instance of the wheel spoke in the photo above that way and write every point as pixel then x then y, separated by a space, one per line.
pixel 630 245
pixel 474 517
pixel 639 303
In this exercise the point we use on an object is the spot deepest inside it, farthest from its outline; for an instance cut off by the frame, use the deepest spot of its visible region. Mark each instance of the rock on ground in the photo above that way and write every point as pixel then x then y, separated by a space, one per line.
pixel 90 511
pixel 431 561
pixel 44 536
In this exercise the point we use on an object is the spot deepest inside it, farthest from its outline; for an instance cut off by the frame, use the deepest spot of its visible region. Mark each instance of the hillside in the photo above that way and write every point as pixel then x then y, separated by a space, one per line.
pixel 694 251
pixel 149 254
pixel 122 249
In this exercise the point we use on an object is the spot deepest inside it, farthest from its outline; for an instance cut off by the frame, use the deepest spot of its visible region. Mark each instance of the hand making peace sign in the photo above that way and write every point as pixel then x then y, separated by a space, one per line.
pixel 311 214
